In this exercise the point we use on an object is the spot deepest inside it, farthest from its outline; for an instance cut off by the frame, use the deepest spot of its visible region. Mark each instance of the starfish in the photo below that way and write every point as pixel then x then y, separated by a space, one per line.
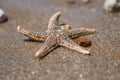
pixel 55 36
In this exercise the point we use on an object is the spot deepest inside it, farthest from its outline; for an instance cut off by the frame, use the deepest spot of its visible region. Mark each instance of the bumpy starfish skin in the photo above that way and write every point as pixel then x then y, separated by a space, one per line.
pixel 55 36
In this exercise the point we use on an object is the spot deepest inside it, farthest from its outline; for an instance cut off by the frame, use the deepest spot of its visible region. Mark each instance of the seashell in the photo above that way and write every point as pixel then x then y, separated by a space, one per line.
pixel 65 27
pixel 112 5
pixel 3 17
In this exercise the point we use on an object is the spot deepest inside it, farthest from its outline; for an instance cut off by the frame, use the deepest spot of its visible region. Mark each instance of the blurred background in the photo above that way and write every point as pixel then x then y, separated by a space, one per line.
pixel 17 61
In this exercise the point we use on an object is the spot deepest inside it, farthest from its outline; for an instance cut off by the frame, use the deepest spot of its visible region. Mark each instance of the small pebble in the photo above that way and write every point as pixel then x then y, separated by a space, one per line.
pixel 63 57
pixel 85 1
pixel 33 72
pixel 70 1
pixel 48 71
pixel 118 57
pixel 3 17
pixel 80 75
pixel 83 42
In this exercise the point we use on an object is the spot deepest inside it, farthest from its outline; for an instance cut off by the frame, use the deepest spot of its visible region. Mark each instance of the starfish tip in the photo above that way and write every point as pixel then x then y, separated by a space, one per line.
pixel 94 30
pixel 18 28
pixel 86 52
pixel 59 12
pixel 37 54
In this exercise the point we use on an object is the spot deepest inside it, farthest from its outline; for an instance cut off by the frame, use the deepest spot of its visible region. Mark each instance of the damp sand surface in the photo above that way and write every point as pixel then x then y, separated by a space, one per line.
pixel 17 61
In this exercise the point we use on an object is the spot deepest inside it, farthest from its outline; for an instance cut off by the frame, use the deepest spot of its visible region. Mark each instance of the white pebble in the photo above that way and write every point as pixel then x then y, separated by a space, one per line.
pixel 48 71
pixel 85 1
pixel 33 72
pixel 80 75
pixel 63 57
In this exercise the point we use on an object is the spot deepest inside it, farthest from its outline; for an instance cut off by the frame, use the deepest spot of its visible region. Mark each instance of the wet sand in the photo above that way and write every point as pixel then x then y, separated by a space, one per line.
pixel 17 61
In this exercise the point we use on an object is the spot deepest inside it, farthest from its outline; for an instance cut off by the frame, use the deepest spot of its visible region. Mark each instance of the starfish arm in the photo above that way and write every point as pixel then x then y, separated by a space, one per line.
pixel 48 45
pixel 32 35
pixel 76 32
pixel 67 42
pixel 54 21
